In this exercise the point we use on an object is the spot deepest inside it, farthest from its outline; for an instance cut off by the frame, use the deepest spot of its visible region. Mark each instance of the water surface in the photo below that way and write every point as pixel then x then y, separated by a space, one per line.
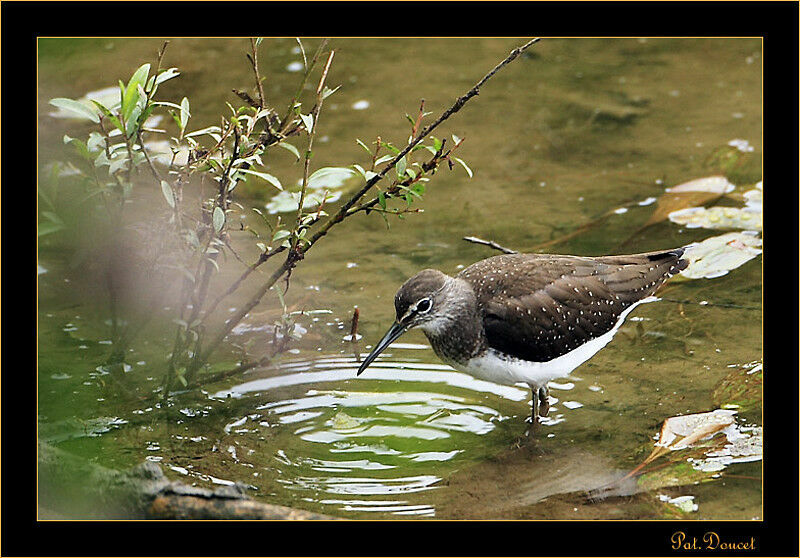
pixel 558 140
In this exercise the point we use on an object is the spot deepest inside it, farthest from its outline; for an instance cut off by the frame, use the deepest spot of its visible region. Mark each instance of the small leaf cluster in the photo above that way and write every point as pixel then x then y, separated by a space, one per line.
pixel 411 171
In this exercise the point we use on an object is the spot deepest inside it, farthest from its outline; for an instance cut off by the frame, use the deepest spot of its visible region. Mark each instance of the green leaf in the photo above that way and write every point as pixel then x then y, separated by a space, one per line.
pixel 383 159
pixel 360 170
pixel 400 168
pixel 218 218
pixel 308 122
pixel 382 200
pixel 437 143
pixel 291 148
pixel 327 92
pixel 212 131
pixel 184 113
pixel 139 76
pixel 330 177
pixel 130 95
pixel 463 164
pixel 102 107
pixel 80 146
pixel 280 235
pixel 166 189
pixel 265 176
pixel 166 104
pixel 364 145
pixel 167 74
pixel 132 123
pixel 76 107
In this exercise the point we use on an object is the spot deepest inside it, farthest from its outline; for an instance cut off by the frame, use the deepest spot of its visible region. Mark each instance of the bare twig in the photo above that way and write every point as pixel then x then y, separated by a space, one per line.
pixel 490 244
pixel 287 120
pixel 311 133
pixel 254 61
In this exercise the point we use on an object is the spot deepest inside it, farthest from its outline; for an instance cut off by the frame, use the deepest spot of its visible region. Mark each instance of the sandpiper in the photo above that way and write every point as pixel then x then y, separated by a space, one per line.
pixel 527 318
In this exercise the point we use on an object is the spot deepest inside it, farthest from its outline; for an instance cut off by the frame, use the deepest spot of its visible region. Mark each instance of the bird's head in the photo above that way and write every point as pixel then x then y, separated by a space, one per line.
pixel 418 303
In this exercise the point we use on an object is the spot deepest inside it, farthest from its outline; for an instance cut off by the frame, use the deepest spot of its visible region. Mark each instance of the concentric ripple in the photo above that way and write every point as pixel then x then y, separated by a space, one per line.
pixel 376 444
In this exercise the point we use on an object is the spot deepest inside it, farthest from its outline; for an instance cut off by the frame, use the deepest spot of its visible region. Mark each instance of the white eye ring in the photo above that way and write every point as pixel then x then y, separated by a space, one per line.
pixel 424 305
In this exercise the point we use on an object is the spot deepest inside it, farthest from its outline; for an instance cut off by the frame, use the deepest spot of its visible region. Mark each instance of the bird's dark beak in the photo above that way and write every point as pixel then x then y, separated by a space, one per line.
pixel 394 332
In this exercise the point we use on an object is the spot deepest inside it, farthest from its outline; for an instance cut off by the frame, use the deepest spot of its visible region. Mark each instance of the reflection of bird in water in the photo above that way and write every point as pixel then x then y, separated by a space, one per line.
pixel 527 318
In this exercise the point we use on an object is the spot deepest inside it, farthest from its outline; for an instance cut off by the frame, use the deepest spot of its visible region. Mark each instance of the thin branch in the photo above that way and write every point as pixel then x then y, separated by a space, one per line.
pixel 311 133
pixel 490 244
pixel 342 213
pixel 287 120
pixel 254 61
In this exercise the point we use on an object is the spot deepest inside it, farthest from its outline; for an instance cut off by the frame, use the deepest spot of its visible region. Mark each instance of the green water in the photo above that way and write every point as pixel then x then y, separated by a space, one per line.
pixel 556 140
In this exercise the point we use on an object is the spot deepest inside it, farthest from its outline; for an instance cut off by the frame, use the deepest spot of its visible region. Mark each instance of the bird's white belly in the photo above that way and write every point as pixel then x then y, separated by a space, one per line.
pixel 502 369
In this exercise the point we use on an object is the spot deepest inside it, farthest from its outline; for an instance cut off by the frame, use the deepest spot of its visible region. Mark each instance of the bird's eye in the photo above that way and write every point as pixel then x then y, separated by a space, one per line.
pixel 424 305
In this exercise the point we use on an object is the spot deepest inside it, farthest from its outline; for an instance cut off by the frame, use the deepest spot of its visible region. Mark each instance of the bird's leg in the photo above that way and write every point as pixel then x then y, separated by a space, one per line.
pixel 544 401
pixel 534 406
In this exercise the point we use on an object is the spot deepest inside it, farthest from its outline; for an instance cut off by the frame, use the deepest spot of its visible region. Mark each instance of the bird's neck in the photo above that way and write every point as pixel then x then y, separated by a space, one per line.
pixel 457 335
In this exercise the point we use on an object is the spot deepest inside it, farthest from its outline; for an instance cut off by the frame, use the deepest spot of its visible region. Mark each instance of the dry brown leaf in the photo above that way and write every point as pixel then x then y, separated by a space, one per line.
pixel 690 194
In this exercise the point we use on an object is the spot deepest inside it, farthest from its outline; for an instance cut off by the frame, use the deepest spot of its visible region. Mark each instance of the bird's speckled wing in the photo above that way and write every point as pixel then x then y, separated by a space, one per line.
pixel 541 306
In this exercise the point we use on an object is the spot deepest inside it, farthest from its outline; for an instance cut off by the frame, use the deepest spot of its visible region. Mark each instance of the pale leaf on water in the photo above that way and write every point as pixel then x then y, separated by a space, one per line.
pixel 690 194
pixel 748 218
pixel 713 184
pixel 715 256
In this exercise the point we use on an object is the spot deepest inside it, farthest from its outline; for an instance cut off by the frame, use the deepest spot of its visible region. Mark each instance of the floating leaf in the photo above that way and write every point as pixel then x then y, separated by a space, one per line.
pixel 748 218
pixel 696 445
pixel 716 256
pixel 690 194
pixel 712 184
